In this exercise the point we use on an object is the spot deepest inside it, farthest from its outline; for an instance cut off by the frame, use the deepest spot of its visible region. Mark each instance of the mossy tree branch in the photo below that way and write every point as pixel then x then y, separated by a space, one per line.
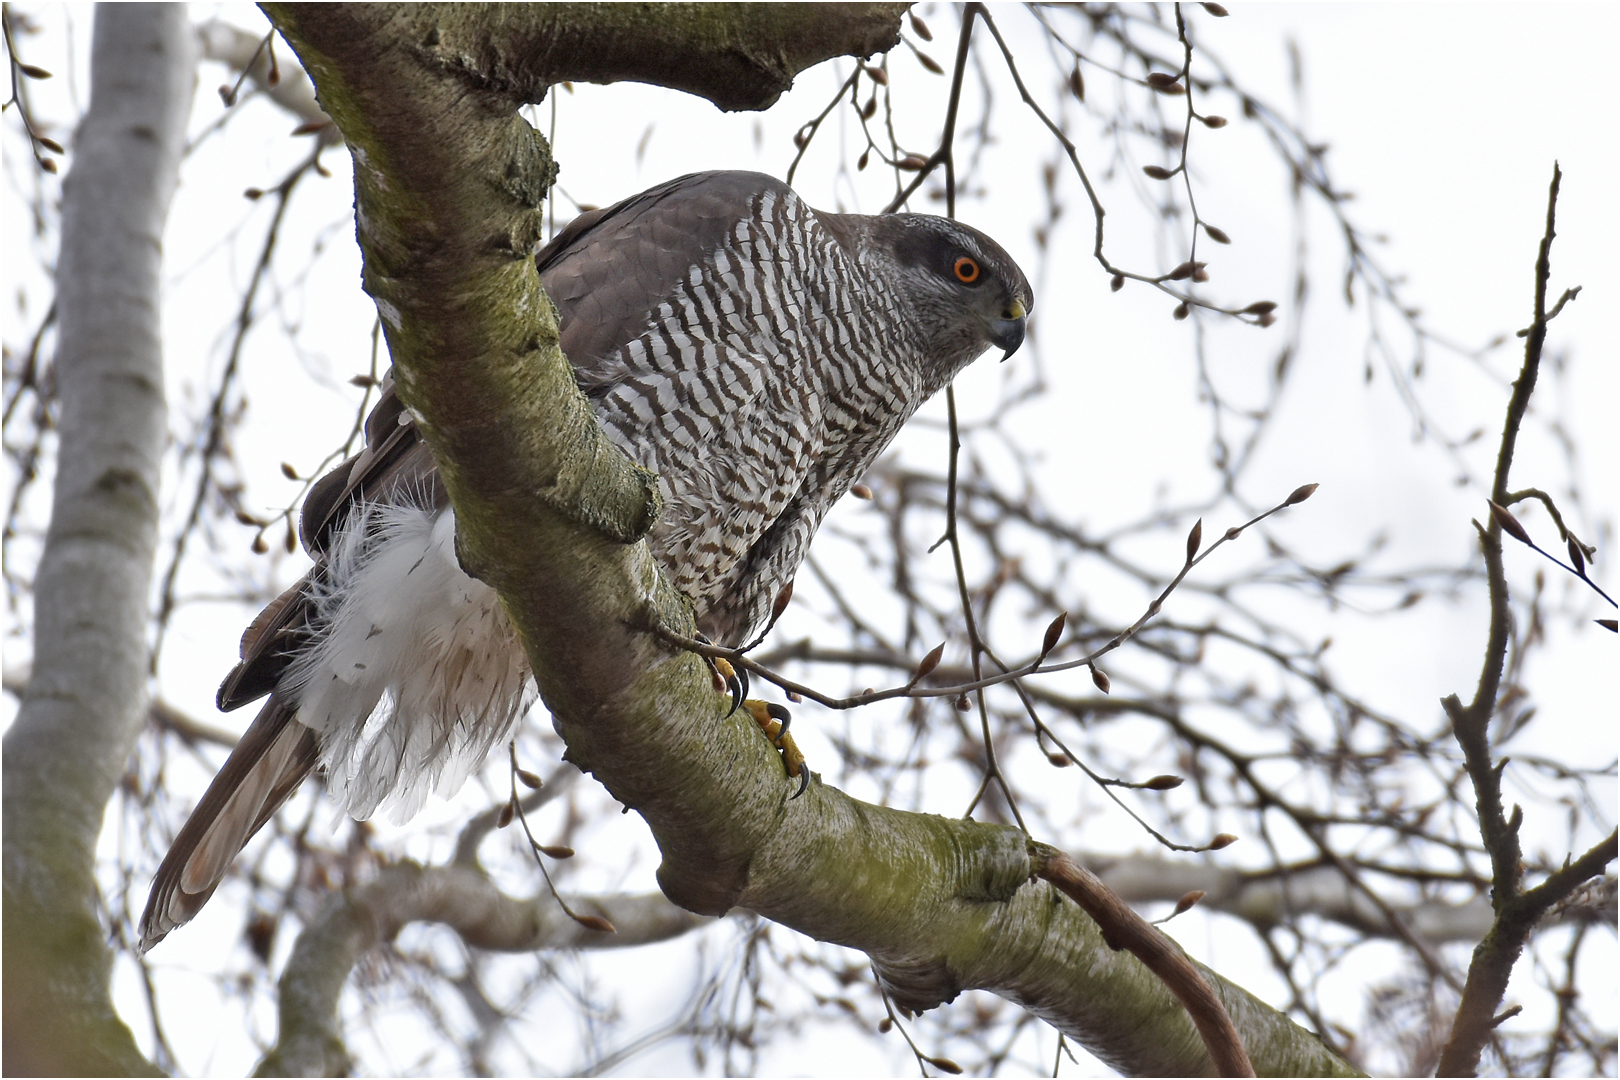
pixel 449 183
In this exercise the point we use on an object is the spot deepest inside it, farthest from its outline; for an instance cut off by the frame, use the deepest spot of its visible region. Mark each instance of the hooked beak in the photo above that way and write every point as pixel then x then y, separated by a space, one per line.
pixel 1007 333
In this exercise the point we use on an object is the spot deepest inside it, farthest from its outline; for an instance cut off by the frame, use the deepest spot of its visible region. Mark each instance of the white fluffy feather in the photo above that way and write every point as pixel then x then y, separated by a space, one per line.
pixel 425 653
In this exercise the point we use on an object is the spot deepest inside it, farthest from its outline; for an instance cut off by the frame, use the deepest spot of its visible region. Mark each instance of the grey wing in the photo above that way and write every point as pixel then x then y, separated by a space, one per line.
pixel 608 271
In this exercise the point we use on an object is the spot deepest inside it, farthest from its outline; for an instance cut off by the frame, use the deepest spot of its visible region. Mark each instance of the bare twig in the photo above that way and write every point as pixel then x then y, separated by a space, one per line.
pixel 1517 910
pixel 1123 928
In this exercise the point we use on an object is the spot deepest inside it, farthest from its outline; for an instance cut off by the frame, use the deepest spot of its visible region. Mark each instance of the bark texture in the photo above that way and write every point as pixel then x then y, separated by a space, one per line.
pixel 86 698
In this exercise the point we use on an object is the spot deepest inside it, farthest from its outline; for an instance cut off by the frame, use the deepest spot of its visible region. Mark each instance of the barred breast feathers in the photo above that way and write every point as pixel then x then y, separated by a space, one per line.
pixel 771 375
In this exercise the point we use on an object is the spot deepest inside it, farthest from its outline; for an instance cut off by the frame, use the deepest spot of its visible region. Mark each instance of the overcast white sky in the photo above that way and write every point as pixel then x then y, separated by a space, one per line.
pixel 1444 120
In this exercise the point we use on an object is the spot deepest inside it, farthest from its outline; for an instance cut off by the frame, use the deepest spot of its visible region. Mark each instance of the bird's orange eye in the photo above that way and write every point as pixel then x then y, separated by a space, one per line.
pixel 967 271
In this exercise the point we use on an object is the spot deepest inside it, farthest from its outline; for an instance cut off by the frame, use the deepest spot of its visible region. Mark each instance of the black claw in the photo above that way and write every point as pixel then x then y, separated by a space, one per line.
pixel 742 680
pixel 804 782
pixel 780 714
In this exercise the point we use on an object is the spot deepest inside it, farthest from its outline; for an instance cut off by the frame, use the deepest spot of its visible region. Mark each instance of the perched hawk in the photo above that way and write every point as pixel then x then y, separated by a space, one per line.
pixel 753 352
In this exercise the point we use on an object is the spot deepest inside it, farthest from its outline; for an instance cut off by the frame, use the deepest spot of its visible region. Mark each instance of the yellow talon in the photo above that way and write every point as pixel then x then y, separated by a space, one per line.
pixel 773 719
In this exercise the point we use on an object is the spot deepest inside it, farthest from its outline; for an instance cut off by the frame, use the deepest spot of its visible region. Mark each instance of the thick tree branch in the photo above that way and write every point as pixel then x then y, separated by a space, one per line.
pixel 84 705
pixel 449 183
pixel 739 56
pixel 310 1042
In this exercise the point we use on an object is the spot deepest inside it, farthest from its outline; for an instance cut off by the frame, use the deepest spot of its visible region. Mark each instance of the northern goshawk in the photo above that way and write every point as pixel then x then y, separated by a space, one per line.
pixel 753 352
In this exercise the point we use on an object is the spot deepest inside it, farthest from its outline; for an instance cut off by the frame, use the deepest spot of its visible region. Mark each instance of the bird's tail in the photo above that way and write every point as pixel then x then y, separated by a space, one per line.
pixel 271 760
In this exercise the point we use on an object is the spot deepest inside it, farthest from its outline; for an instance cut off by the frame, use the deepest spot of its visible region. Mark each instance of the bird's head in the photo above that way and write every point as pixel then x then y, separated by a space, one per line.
pixel 968 294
